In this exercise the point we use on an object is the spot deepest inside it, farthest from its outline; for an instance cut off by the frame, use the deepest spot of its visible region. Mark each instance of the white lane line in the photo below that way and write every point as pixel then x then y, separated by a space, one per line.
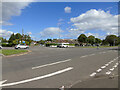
pixel 51 64
pixel 83 56
pixel 37 78
pixel 93 74
pixel 1 82
pixel 91 54
pixel 108 73
pixel 99 70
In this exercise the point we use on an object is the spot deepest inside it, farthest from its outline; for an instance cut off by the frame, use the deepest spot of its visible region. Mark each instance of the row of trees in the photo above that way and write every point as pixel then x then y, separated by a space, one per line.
pixel 111 40
pixel 16 39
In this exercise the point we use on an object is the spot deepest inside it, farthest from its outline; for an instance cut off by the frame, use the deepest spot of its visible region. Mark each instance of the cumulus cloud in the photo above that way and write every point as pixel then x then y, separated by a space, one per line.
pixel 10 9
pixel 5 33
pixel 50 32
pixel 96 20
pixel 67 9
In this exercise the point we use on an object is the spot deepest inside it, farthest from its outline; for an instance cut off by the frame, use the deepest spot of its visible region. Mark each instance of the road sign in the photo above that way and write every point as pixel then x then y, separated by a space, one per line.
pixel 23 41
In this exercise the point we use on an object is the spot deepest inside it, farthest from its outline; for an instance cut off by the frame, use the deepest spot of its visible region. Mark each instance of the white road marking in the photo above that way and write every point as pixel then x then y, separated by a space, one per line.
pixel 83 56
pixel 91 54
pixel 51 64
pixel 115 66
pixel 99 70
pixel 93 74
pixel 1 82
pixel 112 69
pixel 103 67
pixel 37 78
pixel 106 64
pixel 108 73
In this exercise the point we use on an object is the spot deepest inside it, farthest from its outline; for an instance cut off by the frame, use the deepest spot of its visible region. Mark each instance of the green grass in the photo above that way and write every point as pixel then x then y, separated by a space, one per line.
pixel 11 52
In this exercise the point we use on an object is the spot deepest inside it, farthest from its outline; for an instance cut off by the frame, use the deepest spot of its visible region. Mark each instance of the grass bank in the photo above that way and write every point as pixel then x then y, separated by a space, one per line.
pixel 11 52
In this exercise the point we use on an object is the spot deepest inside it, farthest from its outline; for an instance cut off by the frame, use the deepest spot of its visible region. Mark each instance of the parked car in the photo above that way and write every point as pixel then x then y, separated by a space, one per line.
pixel 64 45
pixel 0 47
pixel 21 46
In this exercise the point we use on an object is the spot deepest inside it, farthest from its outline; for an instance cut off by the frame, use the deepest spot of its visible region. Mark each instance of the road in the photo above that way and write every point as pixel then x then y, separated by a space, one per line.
pixel 54 67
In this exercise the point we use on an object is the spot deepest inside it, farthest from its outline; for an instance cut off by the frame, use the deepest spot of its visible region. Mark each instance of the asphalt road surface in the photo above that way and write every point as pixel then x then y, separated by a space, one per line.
pixel 55 67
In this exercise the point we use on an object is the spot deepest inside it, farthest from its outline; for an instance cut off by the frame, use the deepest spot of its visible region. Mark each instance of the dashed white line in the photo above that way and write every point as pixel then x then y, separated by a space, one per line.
pixel 93 74
pixel 37 78
pixel 51 64
pixel 91 54
pixel 99 70
pixel 108 73
pixel 112 69
pixel 106 64
pixel 103 67
pixel 83 56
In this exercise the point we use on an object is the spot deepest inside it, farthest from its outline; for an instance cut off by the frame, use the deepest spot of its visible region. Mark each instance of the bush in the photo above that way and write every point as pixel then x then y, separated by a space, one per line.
pixel 7 45
pixel 49 44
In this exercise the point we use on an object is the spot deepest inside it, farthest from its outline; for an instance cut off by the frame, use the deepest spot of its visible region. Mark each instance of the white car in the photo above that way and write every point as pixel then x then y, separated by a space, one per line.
pixel 64 45
pixel 21 46
pixel 0 47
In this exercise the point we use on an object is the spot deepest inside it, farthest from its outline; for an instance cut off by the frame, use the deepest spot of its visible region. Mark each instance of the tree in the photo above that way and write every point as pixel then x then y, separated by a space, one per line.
pixel 12 37
pixel 82 38
pixel 42 41
pixel 49 39
pixel 18 36
pixel 112 40
pixel 98 41
pixel 91 39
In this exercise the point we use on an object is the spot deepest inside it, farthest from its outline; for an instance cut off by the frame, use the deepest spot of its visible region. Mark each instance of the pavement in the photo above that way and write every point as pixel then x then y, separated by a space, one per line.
pixel 46 67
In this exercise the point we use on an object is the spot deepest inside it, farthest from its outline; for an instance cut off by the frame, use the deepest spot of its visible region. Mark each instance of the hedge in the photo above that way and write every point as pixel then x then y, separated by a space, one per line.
pixel 7 45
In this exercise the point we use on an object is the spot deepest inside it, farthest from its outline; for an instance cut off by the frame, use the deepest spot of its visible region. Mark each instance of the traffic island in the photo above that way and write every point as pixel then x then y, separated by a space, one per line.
pixel 11 53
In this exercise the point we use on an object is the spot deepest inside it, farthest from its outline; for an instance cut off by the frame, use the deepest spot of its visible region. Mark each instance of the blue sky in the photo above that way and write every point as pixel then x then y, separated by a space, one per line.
pixel 51 19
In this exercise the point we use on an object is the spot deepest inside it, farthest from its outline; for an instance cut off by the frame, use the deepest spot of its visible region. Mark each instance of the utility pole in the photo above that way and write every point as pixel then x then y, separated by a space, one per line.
pixel 22 35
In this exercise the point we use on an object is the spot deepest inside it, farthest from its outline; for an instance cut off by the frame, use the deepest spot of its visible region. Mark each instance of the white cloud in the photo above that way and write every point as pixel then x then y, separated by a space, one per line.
pixel 96 20
pixel 67 9
pixel 5 33
pixel 97 35
pixel 10 9
pixel 51 32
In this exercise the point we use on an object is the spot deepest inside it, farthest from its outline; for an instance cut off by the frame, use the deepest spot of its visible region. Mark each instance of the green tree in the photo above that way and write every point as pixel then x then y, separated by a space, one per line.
pixel 82 38
pixel 49 39
pixel 12 37
pixel 98 41
pixel 112 40
pixel 18 36
pixel 91 39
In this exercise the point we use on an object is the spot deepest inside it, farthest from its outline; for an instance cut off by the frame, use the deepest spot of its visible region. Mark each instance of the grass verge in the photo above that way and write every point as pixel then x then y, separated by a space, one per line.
pixel 11 52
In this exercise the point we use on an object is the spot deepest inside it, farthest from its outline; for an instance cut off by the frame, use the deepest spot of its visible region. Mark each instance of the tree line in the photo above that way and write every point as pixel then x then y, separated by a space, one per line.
pixel 111 40
pixel 16 39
